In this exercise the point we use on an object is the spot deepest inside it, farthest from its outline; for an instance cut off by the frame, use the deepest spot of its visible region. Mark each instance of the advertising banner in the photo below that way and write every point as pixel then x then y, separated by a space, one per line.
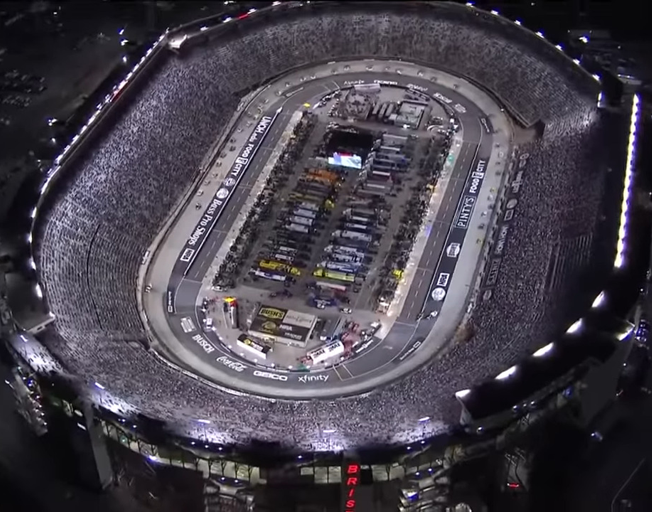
pixel 214 209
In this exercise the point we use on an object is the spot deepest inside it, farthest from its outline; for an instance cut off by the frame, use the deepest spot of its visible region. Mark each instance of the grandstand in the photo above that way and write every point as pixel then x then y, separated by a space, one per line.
pixel 102 216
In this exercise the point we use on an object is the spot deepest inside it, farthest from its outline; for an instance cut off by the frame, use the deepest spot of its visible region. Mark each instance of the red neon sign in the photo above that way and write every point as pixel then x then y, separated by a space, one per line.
pixel 351 484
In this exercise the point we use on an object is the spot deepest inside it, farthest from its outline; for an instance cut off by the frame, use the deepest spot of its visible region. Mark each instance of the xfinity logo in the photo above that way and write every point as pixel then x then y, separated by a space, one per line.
pixel 234 365
pixel 313 378
pixel 271 376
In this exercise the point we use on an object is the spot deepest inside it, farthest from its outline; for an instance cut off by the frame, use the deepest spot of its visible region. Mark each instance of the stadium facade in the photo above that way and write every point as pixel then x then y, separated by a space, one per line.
pixel 96 218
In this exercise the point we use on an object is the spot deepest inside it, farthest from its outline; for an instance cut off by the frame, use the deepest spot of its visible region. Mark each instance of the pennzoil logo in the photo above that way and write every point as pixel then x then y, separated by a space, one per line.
pixel 273 313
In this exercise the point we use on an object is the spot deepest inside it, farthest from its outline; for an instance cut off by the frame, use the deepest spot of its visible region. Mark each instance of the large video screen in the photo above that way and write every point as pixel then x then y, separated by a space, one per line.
pixel 346 160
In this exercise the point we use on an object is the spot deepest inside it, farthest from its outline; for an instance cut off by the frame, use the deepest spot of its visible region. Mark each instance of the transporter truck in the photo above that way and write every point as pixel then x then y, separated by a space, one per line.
pixel 309 214
pixel 349 268
pixel 272 276
pixel 353 235
pixel 344 258
pixel 300 220
pixel 343 249
pixel 333 274
pixel 306 205
pixel 298 228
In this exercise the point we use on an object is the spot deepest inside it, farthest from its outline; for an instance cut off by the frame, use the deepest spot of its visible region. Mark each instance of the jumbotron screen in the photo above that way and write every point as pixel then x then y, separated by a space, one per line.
pixel 346 160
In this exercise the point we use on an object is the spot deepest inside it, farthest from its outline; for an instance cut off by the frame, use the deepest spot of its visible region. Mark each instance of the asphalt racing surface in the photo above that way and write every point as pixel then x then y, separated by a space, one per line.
pixel 428 289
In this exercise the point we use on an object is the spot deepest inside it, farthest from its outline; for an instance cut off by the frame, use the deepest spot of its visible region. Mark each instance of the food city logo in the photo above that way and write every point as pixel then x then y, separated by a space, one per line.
pixel 476 177
pixel 233 365
pixel 270 376
pixel 273 313
pixel 229 182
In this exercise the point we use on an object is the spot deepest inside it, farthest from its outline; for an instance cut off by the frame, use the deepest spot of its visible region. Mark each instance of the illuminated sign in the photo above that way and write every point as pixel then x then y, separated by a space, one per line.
pixel 351 482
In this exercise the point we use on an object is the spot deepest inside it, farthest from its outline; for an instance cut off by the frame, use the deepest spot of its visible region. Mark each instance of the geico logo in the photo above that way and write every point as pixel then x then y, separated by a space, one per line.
pixel 272 376
pixel 276 314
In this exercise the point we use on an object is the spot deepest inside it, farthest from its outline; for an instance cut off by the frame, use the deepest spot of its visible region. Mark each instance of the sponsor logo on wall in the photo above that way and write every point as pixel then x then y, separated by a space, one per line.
pixel 216 206
pixel 503 227
pixel 233 365
pixel 270 376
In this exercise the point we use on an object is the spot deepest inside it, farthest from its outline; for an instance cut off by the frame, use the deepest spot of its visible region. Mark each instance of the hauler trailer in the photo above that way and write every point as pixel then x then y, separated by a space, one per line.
pixel 353 235
pixel 349 268
pixel 359 203
pixel 306 205
pixel 390 110
pixel 375 110
pixel 286 236
pixel 361 245
pixel 324 175
pixel 318 199
pixel 371 192
pixel 390 149
pixel 315 188
pixel 272 276
pixel 340 287
pixel 290 251
pixel 383 109
pixel 361 213
pixel 297 197
pixel 299 228
pixel 301 220
pixel 384 189
pixel 277 266
pixel 344 249
pixel 364 221
pixel 390 139
pixel 285 258
pixel 281 240
pixel 382 176
pixel 334 274
pixel 358 228
pixel 344 258
pixel 310 214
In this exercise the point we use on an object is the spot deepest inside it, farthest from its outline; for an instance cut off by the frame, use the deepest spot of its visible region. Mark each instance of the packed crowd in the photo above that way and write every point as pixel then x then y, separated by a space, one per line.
pixel 93 236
